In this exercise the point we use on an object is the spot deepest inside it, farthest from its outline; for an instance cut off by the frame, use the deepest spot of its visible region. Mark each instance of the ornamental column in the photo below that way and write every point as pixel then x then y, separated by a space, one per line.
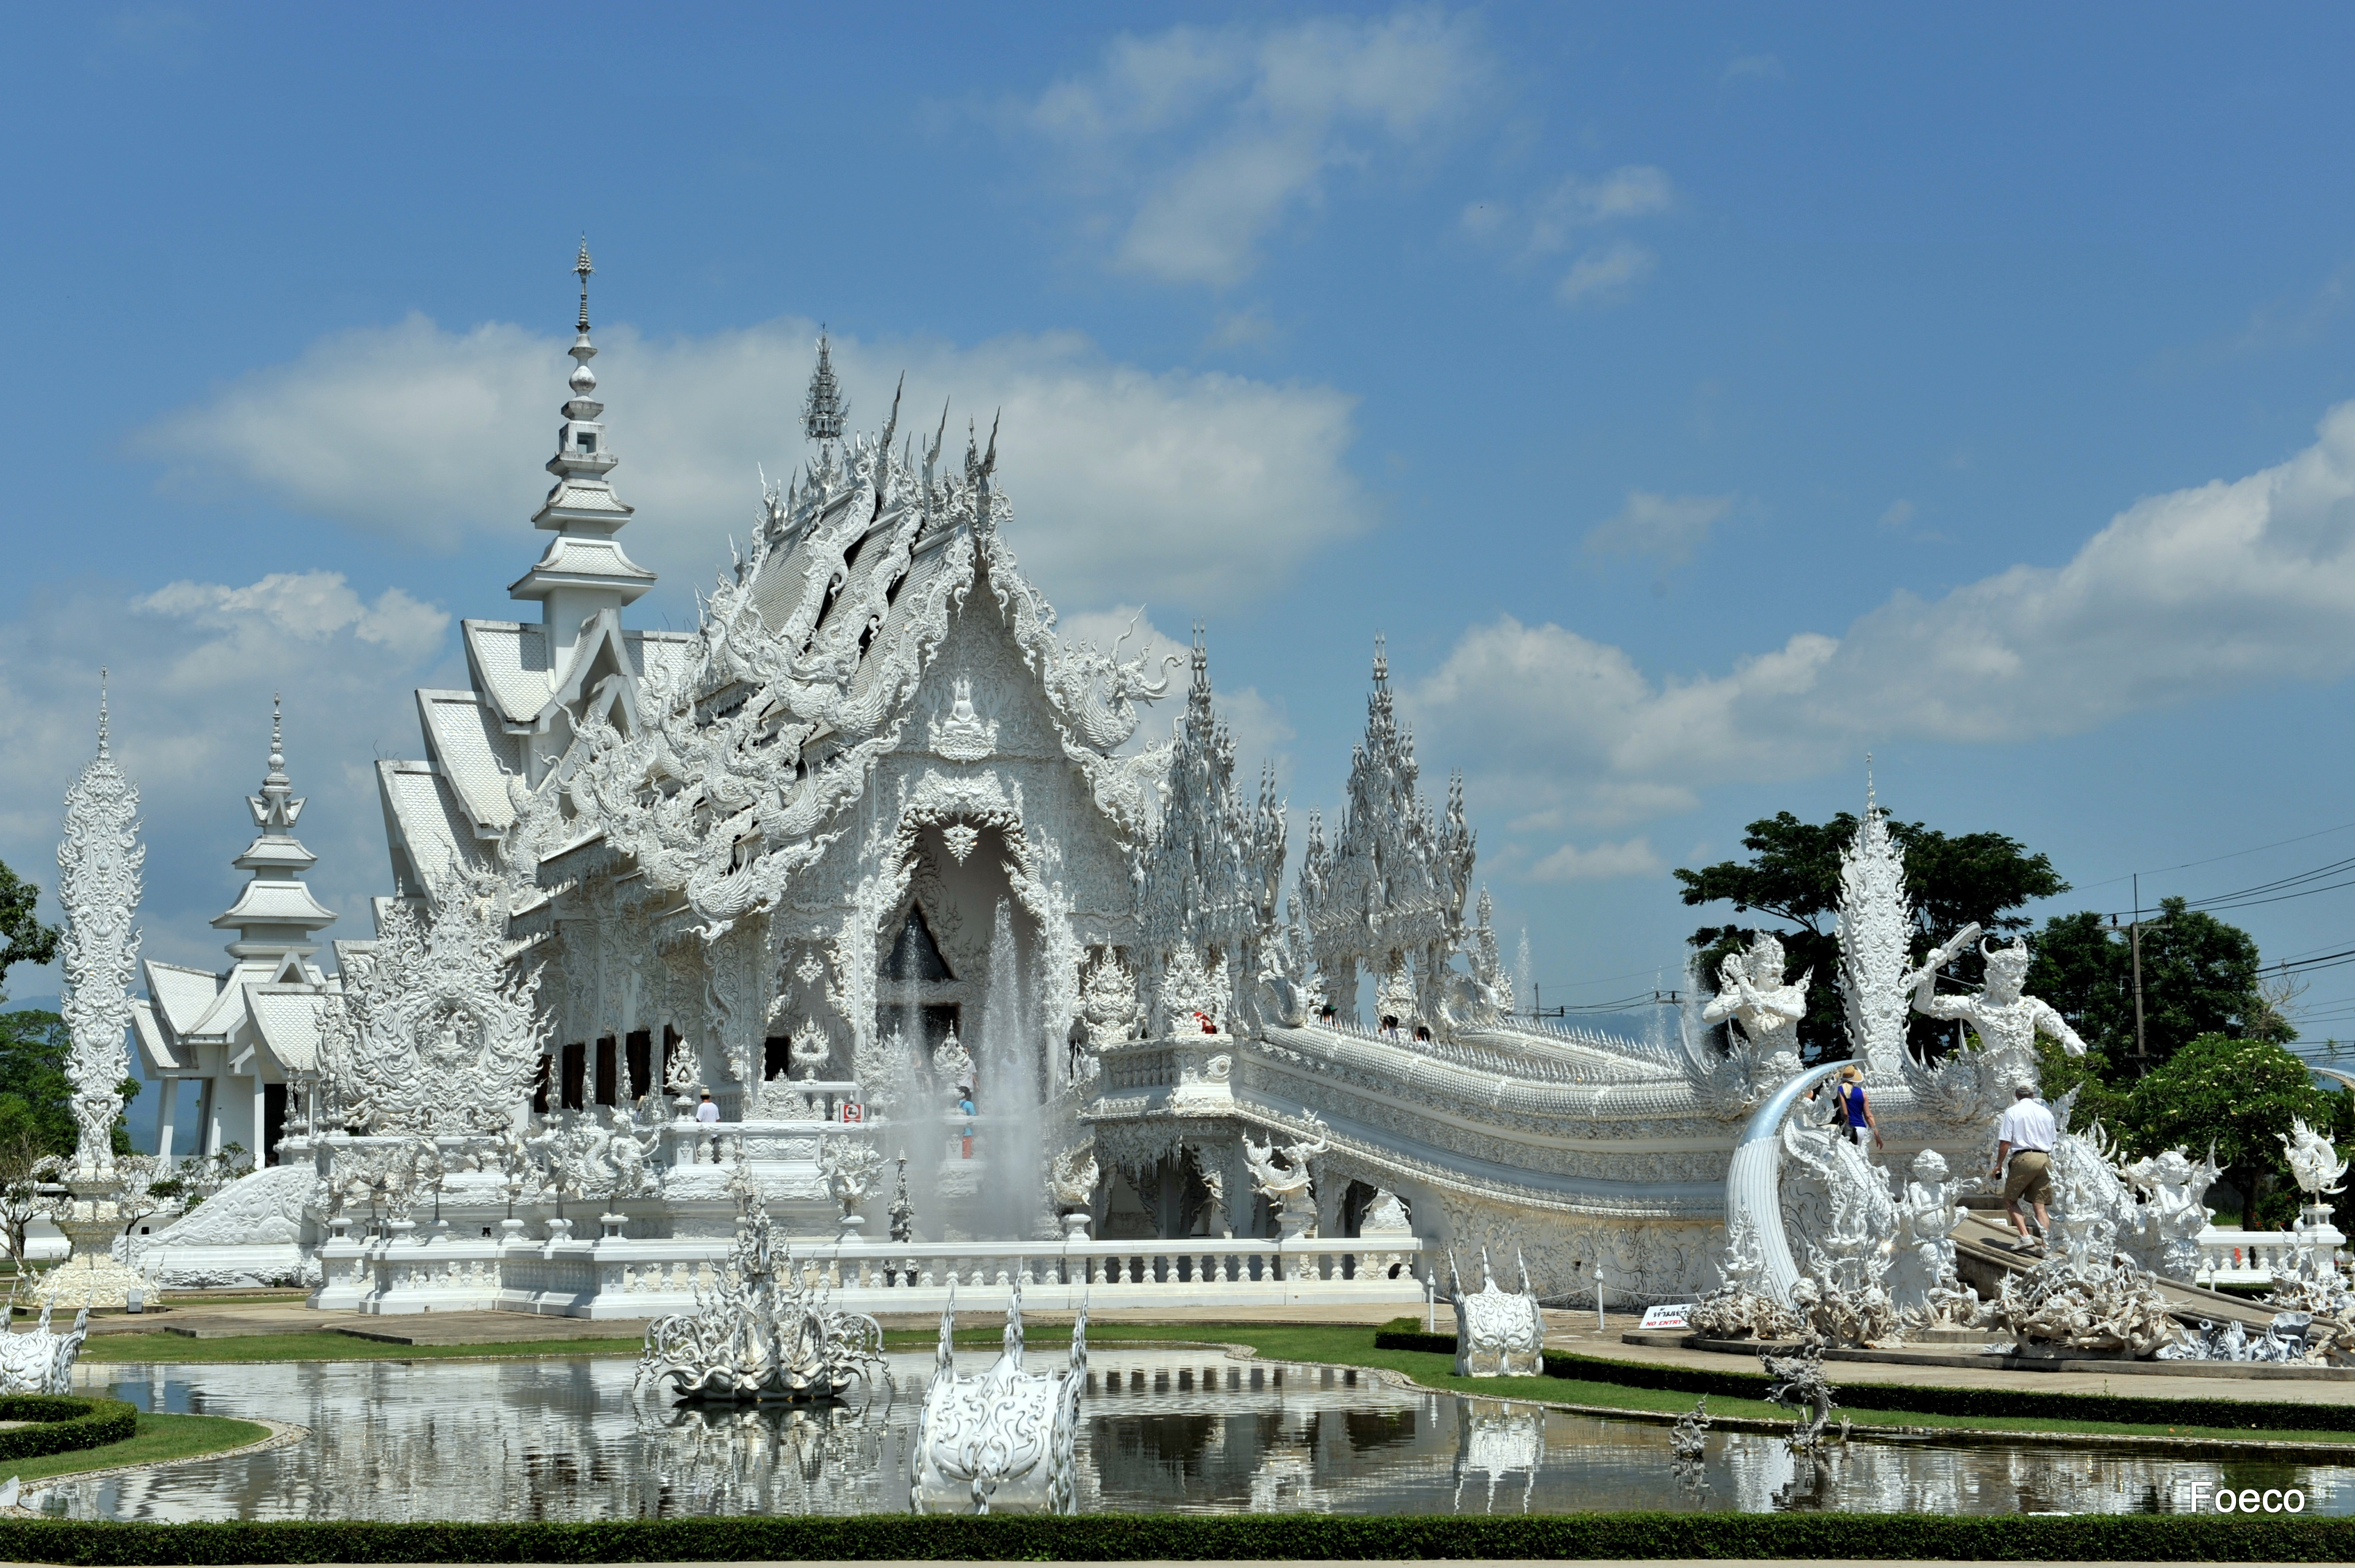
pixel 98 863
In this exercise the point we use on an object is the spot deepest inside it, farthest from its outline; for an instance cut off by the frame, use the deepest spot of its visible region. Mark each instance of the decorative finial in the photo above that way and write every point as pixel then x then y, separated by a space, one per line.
pixel 1870 808
pixel 1381 658
pixel 584 269
pixel 101 711
pixel 824 409
pixel 277 733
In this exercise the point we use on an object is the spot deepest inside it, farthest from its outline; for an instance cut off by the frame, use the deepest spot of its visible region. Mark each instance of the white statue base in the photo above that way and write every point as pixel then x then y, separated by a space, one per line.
pixel 90 1276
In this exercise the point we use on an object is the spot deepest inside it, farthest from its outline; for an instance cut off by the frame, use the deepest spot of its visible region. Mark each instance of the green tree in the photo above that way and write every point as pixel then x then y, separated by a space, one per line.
pixel 37 1099
pixel 27 939
pixel 2198 978
pixel 2240 1096
pixel 1793 875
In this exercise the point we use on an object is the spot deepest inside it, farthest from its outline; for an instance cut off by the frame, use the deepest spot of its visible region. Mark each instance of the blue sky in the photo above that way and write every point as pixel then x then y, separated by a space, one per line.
pixel 1698 398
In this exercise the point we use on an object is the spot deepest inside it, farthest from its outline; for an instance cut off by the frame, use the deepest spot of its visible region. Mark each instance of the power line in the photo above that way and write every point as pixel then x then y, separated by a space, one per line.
pixel 2317 833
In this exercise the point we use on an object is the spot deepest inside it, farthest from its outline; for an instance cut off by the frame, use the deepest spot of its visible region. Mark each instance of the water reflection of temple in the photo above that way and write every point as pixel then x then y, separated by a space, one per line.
pixel 1161 1429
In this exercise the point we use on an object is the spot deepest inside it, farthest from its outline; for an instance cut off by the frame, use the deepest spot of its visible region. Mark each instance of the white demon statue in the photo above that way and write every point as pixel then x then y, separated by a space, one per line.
pixel 2006 1021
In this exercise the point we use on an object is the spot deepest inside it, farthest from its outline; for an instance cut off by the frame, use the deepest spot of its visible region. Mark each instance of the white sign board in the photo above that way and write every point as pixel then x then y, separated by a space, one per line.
pixel 1666 1317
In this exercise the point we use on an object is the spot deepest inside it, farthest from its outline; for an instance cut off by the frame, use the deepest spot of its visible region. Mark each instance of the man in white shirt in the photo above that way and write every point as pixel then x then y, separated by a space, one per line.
pixel 707 1112
pixel 2024 1138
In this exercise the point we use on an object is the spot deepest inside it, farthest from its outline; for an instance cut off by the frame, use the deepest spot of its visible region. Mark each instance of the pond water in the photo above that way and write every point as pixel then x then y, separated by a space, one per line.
pixel 1161 1430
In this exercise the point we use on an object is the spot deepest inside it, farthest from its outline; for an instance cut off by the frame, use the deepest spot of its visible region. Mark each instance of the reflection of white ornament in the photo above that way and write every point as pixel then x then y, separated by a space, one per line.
pixel 809 969
pixel 963 736
pixel 959 837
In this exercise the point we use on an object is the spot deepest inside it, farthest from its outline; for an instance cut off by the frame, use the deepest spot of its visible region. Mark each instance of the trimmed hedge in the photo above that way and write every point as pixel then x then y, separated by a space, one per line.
pixel 1116 1538
pixel 2247 1414
pixel 62 1424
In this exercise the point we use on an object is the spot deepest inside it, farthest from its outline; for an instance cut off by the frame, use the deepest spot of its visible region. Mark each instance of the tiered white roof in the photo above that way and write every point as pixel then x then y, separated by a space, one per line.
pixel 532 685
pixel 264 1002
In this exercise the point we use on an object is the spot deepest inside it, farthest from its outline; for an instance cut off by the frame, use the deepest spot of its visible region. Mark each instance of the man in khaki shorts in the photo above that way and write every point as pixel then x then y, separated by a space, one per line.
pixel 2024 1138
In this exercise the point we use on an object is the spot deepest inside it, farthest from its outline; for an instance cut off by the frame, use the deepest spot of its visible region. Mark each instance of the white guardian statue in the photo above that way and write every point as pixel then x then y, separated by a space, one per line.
pixel 2006 1022
pixel 1765 1010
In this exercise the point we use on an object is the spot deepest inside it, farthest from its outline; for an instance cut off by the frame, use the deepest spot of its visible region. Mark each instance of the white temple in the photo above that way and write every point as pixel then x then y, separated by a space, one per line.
pixel 874 835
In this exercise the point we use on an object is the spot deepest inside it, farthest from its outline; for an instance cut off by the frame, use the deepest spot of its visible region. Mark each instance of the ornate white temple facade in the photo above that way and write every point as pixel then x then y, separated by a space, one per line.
pixel 873 859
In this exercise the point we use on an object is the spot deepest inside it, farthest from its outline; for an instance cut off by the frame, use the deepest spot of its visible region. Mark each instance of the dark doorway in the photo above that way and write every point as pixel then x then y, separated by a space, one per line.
pixel 273 1120
pixel 576 1076
pixel 641 1056
pixel 776 1056
pixel 608 1074
pixel 914 955
pixel 941 1019
pixel 540 1087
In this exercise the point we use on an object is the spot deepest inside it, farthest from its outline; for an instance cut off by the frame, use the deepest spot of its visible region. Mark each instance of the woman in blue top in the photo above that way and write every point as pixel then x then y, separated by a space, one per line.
pixel 1855 1110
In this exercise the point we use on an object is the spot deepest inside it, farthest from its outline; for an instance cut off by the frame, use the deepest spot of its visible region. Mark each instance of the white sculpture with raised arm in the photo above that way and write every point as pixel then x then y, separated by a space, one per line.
pixel 1765 1009
pixel 2006 1019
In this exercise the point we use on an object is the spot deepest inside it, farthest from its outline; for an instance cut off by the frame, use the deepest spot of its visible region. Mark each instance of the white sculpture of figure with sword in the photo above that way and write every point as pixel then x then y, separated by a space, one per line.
pixel 2007 1021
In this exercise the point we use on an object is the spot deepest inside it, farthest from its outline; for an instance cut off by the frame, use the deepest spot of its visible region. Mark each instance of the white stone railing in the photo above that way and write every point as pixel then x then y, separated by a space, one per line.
pixel 614 1278
pixel 2254 1257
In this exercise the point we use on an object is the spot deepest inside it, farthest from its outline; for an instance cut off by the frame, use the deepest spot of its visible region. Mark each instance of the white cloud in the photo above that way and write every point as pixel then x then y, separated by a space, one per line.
pixel 1900 513
pixel 2183 596
pixel 1605 274
pixel 1632 858
pixel 1577 210
pixel 192 668
pixel 1757 68
pixel 1199 142
pixel 1210 483
pixel 1668 526
pixel 1577 204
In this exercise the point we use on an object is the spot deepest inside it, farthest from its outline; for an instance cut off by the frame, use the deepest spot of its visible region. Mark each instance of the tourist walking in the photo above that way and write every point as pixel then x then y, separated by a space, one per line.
pixel 2023 1158
pixel 1855 1108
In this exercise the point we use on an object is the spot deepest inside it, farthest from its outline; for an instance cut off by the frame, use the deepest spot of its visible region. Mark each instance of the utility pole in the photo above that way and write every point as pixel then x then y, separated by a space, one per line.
pixel 2134 945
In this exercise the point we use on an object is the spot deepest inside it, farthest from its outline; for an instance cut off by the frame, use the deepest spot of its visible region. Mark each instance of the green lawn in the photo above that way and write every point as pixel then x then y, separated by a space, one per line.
pixel 158 1438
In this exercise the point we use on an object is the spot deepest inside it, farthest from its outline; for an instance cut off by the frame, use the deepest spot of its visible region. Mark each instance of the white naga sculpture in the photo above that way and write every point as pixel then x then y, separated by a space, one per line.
pixel 1005 1441
pixel 761 1332
pixel 38 1360
pixel 1498 1333
pixel 2006 1022
pixel 1071 1188
pixel 1286 1186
